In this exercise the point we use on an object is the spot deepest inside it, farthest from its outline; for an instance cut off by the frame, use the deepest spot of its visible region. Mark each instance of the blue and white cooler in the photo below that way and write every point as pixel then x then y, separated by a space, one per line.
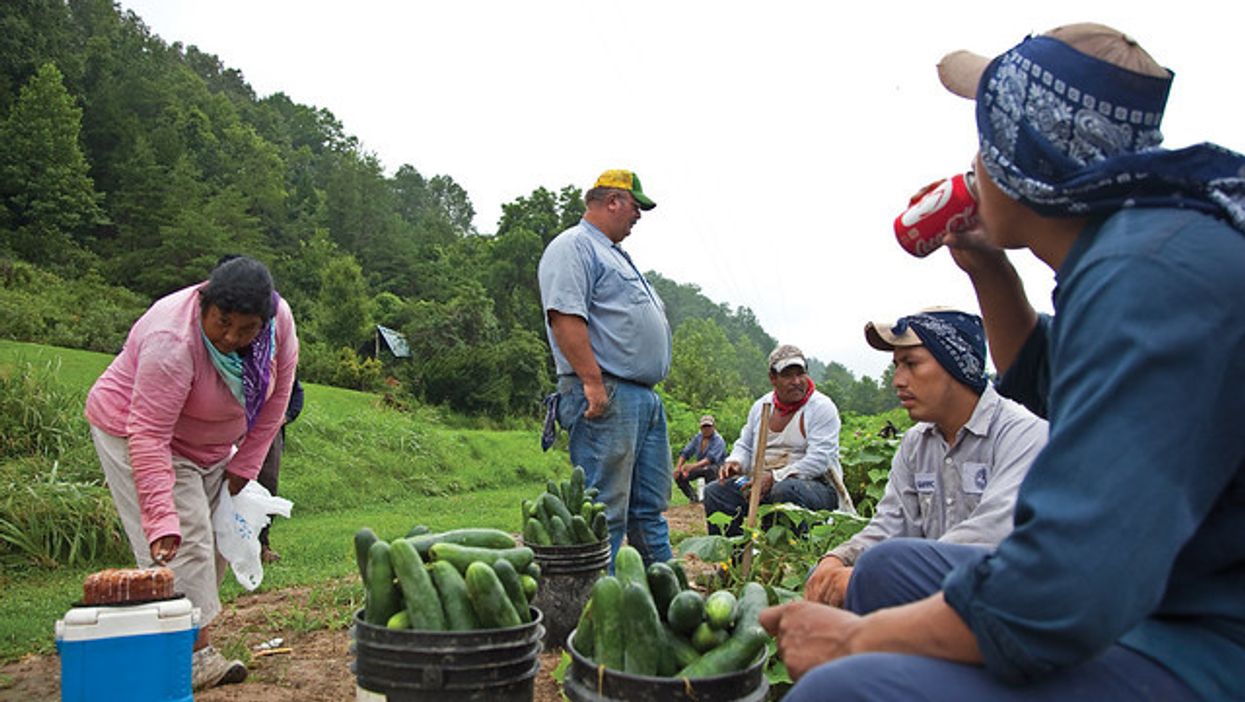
pixel 136 653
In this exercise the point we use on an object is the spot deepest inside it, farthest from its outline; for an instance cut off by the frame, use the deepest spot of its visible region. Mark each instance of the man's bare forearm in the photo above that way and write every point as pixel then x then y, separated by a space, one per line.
pixel 1005 310
pixel 927 627
pixel 571 333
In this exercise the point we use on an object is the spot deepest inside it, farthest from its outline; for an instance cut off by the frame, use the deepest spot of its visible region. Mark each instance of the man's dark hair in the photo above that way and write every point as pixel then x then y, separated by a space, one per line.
pixel 241 285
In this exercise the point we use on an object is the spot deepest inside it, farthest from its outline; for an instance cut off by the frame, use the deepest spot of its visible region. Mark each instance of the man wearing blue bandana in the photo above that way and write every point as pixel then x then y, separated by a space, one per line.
pixel 955 475
pixel 1124 573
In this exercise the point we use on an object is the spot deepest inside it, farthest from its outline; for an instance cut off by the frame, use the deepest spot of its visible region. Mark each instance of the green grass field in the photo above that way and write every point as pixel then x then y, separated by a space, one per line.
pixel 350 462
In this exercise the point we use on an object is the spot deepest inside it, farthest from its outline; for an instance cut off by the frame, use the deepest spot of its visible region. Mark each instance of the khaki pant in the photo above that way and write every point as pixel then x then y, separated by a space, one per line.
pixel 197 568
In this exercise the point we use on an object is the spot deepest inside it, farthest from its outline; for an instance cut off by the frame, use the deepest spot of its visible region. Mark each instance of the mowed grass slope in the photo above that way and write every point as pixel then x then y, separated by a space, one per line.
pixel 350 461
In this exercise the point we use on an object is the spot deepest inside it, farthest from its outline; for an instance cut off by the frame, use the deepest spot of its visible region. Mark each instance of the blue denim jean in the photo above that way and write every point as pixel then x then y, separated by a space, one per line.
pixel 902 570
pixel 728 499
pixel 625 453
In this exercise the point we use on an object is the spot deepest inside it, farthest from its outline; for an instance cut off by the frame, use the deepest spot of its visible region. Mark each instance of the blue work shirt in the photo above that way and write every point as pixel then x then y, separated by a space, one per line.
pixel 1130 526
pixel 715 451
pixel 585 274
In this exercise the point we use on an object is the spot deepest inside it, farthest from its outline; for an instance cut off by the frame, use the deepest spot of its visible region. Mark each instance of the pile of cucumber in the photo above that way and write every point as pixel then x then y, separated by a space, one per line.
pixel 456 580
pixel 565 514
pixel 646 622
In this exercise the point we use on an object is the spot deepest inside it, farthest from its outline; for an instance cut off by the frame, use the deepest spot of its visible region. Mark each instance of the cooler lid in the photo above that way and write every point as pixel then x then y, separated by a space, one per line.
pixel 87 623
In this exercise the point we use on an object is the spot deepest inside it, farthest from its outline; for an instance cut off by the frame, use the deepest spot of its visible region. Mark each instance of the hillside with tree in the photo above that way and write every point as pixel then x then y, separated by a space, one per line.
pixel 130 165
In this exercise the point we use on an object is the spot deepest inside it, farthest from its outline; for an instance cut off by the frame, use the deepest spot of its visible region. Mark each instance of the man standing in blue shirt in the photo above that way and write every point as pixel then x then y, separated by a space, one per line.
pixel 1124 573
pixel 611 344
pixel 707 450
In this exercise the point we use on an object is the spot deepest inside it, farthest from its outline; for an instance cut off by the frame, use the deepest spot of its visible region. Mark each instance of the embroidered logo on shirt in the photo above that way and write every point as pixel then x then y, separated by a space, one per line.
pixel 924 482
pixel 974 477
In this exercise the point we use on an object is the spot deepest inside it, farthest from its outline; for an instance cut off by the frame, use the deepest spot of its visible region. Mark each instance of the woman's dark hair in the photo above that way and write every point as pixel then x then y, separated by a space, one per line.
pixel 240 285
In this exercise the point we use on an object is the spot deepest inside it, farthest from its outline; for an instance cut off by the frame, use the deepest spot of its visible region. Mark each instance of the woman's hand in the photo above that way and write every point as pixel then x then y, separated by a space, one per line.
pixel 236 483
pixel 164 549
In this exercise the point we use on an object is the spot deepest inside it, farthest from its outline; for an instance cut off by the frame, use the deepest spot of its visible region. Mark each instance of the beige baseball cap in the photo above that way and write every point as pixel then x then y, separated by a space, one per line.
pixel 960 71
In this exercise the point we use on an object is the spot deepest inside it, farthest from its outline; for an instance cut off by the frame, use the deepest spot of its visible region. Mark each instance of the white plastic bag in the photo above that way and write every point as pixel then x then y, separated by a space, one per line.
pixel 237 521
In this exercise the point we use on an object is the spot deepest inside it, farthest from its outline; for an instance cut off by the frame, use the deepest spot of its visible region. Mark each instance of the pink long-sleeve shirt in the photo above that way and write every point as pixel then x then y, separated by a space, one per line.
pixel 163 395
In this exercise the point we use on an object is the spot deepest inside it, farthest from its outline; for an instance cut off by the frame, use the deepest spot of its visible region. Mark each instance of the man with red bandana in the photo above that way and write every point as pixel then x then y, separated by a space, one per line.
pixel 801 454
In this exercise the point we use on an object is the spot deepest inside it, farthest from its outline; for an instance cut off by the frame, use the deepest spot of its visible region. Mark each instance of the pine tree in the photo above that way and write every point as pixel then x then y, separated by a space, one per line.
pixel 47 196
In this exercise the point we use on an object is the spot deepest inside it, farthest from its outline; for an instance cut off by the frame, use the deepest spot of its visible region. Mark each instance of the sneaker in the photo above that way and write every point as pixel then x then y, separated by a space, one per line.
pixel 208 668
pixel 267 555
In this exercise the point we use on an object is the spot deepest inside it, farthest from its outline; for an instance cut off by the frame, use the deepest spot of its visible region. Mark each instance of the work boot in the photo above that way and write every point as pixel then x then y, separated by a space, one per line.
pixel 208 668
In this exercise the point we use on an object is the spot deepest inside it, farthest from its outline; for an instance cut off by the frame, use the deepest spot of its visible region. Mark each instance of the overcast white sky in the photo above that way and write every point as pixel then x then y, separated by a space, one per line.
pixel 780 139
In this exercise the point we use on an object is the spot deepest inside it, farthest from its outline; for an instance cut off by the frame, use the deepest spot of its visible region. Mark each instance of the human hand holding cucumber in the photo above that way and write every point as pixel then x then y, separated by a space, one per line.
pixel 809 634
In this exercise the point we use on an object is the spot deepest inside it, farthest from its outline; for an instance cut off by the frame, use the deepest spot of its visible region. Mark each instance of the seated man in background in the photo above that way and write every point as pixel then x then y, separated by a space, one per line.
pixel 956 473
pixel 801 452
pixel 709 449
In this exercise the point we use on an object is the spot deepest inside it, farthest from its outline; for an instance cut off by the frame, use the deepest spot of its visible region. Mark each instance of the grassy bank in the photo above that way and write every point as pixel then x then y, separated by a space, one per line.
pixel 350 461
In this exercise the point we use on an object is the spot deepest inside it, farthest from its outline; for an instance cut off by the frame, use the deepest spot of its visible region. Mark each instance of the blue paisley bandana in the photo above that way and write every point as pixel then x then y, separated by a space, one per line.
pixel 1071 135
pixel 956 340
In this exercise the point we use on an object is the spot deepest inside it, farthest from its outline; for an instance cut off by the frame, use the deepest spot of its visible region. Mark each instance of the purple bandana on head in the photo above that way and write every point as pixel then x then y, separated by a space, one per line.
pixel 1071 135
pixel 257 366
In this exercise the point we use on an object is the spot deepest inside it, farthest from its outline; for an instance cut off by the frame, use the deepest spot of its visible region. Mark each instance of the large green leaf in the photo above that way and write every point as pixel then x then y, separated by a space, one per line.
pixel 711 549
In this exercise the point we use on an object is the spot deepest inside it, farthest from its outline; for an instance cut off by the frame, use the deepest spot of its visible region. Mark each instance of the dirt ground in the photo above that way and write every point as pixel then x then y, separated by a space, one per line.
pixel 316 670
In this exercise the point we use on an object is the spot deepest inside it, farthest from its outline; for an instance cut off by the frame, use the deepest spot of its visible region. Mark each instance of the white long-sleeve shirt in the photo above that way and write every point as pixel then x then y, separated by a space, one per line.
pixel 815 449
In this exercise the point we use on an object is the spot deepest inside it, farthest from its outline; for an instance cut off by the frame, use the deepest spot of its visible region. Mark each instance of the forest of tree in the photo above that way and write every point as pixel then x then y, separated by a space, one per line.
pixel 130 165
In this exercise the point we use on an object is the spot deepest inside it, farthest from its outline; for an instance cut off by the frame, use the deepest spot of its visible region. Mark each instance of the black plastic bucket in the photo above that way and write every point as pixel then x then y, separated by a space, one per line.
pixel 566 577
pixel 587 682
pixel 497 665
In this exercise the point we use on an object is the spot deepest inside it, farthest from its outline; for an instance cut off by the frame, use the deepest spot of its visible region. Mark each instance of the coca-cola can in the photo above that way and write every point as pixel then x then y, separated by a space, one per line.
pixel 948 206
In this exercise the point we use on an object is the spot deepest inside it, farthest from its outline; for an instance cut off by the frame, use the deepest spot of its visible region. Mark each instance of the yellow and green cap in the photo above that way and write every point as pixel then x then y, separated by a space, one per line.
pixel 625 180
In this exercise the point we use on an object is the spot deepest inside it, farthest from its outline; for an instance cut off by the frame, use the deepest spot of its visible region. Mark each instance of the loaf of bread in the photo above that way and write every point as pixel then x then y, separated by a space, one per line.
pixel 120 586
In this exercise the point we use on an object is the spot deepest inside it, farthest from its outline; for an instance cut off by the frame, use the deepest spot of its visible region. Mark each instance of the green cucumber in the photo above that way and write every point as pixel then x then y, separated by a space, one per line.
pixel 418 530
pixel 629 567
pixel 705 637
pixel 681 651
pixel 734 655
pixel 608 641
pixel 720 609
pixel 513 586
pixel 556 508
pixel 752 599
pixel 488 597
pixel 601 526
pixel 532 570
pixel 463 556
pixel 559 532
pixel 641 631
pixel 583 631
pixel 581 532
pixel 576 493
pixel 363 540
pixel 422 601
pixel 530 586
pixel 552 488
pixel 384 599
pixel 591 493
pixel 686 612
pixel 664 586
pixel 677 566
pixel 534 532
pixel 480 538
pixel 586 510
pixel 401 620
pixel 455 603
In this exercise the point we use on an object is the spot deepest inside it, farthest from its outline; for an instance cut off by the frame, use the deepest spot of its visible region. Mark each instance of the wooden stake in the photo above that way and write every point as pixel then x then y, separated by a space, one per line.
pixel 754 495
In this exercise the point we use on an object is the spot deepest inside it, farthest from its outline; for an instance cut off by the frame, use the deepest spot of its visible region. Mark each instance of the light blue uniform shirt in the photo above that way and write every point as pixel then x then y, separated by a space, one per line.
pixel 585 274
